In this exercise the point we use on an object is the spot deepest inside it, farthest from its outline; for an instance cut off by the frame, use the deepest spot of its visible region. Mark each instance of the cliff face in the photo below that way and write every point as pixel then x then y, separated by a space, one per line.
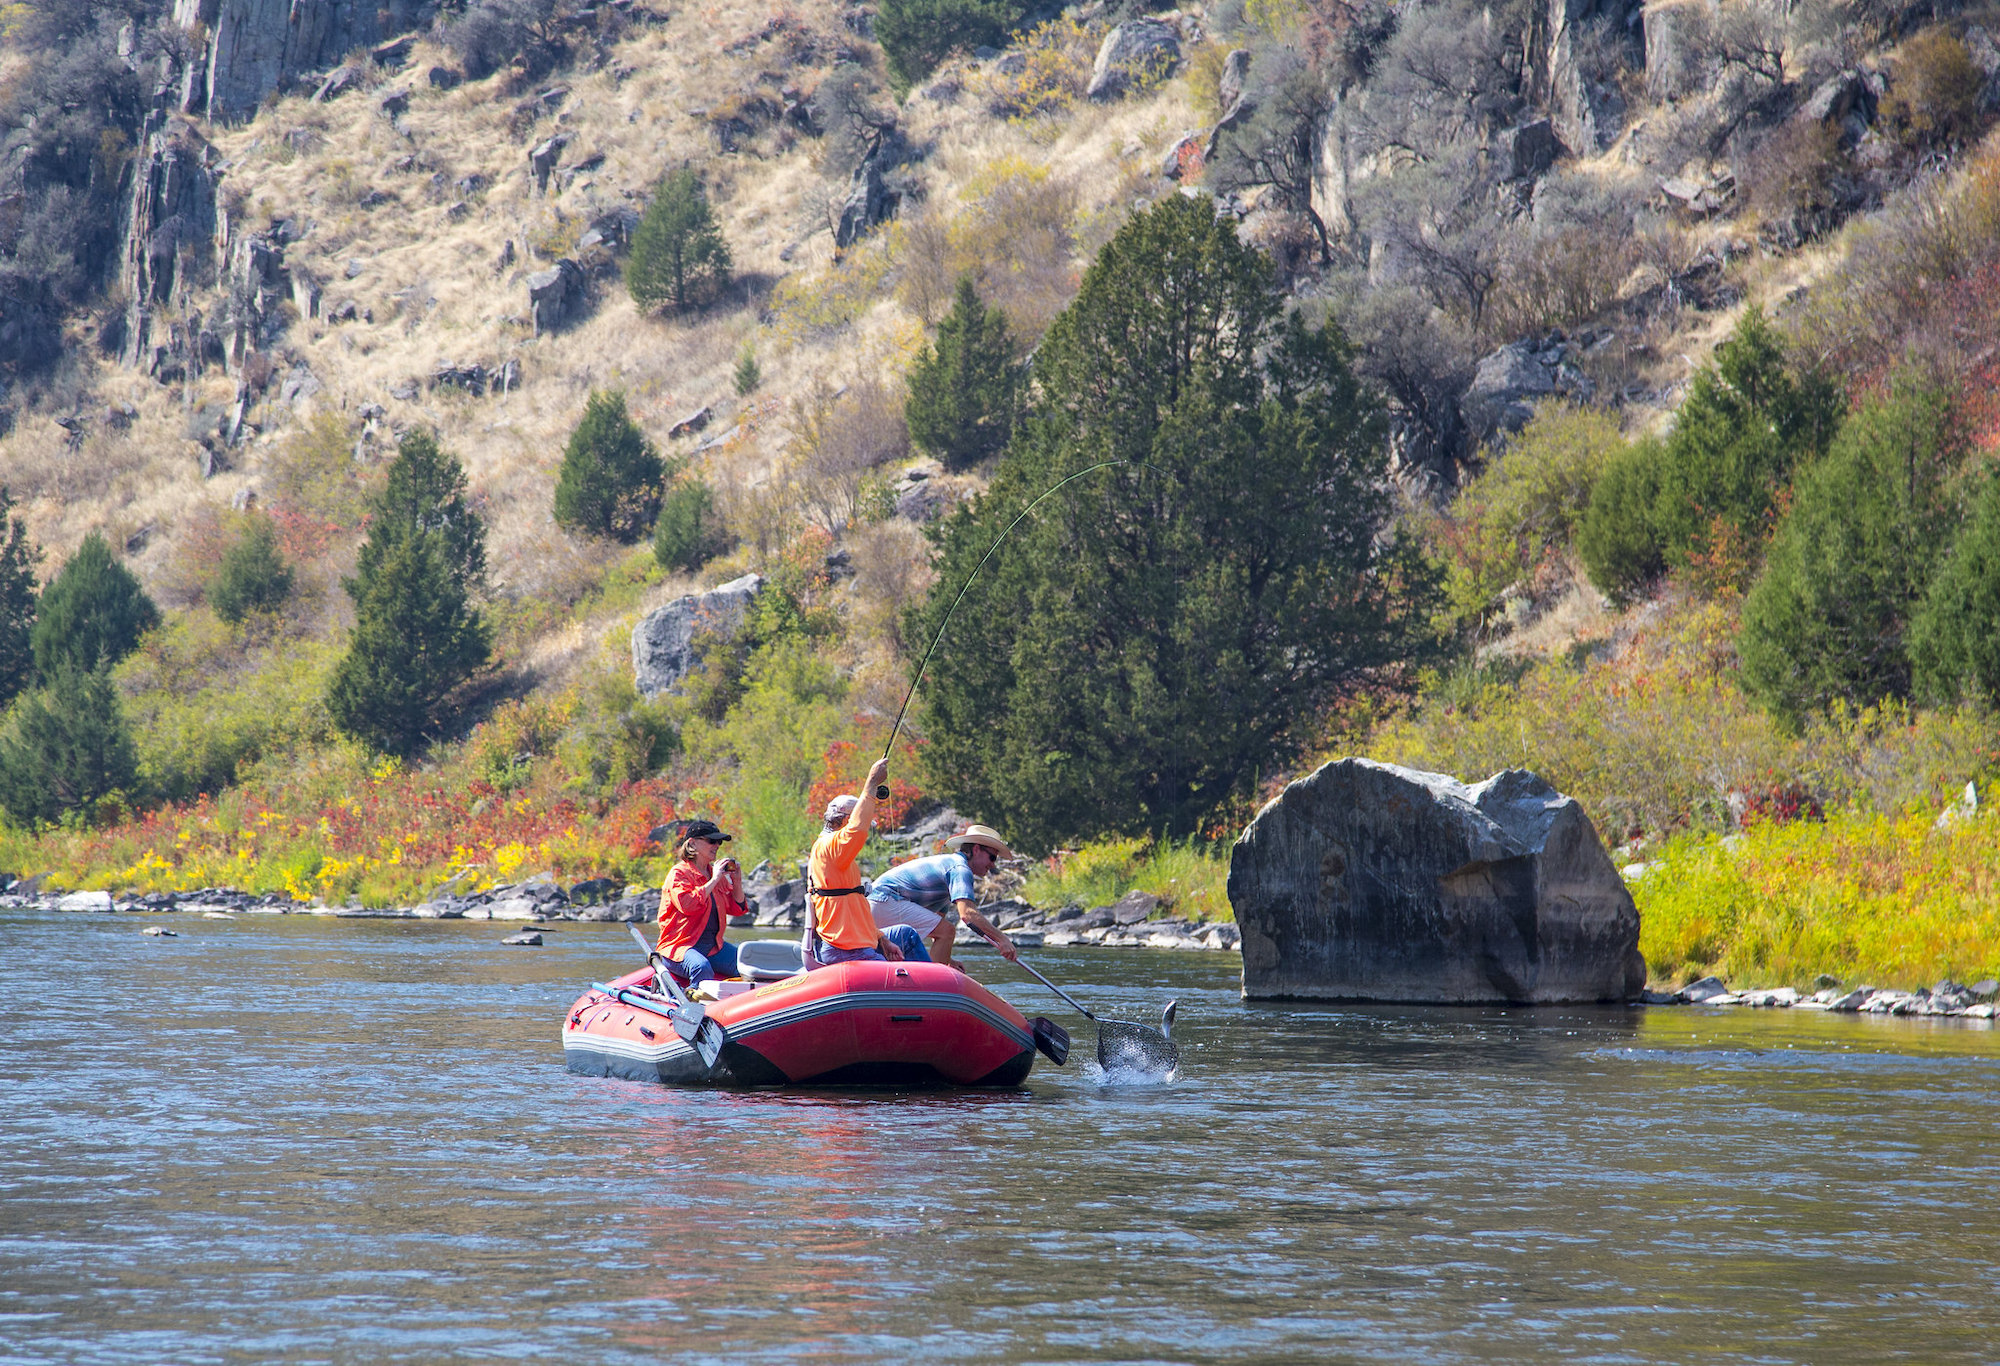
pixel 254 47
pixel 170 236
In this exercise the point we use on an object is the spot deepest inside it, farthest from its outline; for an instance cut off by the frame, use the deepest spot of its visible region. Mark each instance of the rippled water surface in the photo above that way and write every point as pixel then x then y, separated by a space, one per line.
pixel 294 1139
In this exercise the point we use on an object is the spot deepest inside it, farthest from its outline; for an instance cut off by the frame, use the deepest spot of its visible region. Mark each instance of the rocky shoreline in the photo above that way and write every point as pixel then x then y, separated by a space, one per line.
pixel 1946 998
pixel 1129 923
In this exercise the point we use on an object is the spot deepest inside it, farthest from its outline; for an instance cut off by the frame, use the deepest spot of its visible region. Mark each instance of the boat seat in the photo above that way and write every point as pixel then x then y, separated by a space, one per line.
pixel 769 960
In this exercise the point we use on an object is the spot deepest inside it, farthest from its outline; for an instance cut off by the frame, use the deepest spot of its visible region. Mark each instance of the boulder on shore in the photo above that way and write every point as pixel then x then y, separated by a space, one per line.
pixel 1371 882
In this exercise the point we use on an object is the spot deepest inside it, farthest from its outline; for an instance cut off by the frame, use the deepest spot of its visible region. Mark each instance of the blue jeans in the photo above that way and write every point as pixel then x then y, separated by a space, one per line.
pixel 697 967
pixel 904 937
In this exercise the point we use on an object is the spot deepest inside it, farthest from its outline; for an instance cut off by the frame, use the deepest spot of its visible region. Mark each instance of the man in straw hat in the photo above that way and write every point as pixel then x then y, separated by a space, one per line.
pixel 934 894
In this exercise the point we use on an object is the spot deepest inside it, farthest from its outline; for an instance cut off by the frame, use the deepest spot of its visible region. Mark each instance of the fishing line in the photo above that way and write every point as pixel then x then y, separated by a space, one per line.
pixel 882 791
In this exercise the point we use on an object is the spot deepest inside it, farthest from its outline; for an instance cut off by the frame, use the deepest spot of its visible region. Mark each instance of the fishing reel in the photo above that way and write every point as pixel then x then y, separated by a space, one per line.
pixel 881 792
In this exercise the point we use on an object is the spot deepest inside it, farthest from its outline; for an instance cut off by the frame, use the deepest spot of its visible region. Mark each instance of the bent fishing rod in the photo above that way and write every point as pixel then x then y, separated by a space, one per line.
pixel 882 790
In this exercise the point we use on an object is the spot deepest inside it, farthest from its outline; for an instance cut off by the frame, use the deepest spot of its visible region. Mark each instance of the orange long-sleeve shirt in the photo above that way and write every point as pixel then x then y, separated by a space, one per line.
pixel 691 918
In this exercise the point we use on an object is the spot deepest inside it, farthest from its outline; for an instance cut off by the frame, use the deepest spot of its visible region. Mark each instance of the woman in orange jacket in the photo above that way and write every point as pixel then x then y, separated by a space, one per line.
pixel 695 905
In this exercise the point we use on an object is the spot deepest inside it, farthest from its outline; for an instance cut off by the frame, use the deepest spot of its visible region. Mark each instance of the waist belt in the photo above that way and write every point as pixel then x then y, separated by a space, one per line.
pixel 837 891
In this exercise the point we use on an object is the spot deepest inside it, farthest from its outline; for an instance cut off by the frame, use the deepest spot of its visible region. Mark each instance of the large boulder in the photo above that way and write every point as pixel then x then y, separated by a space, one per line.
pixel 1370 882
pixel 1512 380
pixel 666 645
pixel 554 294
pixel 1143 49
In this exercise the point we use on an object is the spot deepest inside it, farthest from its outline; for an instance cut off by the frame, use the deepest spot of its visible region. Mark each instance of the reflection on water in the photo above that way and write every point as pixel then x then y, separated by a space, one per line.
pixel 298 1140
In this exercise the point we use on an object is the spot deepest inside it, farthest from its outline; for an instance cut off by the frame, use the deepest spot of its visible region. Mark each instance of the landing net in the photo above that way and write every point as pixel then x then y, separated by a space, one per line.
pixel 1132 1048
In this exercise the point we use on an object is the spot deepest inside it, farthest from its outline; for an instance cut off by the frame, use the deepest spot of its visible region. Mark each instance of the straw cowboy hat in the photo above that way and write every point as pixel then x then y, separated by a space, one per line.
pixel 980 834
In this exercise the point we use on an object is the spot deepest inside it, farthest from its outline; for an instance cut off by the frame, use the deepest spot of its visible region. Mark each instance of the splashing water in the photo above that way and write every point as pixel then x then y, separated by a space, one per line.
pixel 1129 1054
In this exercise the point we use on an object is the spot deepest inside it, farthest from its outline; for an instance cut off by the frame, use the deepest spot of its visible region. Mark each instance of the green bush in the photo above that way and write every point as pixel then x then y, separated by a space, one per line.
pixel 1850 562
pixel 1522 510
pixel 1711 491
pixel 1933 98
pixel 18 557
pixel 961 404
pixel 677 253
pixel 202 708
pixel 1955 639
pixel 92 614
pixel 916 35
pixel 611 475
pixel 690 532
pixel 748 374
pixel 254 576
pixel 417 637
pixel 66 747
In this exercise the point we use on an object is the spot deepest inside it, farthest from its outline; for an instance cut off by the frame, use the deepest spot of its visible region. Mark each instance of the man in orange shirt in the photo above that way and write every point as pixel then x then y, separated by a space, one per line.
pixel 843 925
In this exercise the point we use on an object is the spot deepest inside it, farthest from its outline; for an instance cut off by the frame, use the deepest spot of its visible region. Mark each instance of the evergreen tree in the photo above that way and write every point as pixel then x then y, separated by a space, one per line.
pixel 678 250
pixel 254 576
pixel 749 374
pixel 18 557
pixel 611 475
pixel 1162 632
pixel 961 405
pixel 1955 639
pixel 66 747
pixel 1745 425
pixel 1850 563
pixel 92 613
pixel 690 533
pixel 918 34
pixel 417 637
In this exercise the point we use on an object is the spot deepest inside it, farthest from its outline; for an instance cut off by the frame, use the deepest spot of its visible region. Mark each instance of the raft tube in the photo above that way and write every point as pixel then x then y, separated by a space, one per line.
pixel 851 1024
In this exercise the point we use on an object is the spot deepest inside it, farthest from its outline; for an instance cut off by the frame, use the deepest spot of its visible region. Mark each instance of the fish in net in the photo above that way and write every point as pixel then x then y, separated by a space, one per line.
pixel 1134 1048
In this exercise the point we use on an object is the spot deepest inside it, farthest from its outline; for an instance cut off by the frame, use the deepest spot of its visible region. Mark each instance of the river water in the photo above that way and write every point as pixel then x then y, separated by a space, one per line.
pixel 303 1140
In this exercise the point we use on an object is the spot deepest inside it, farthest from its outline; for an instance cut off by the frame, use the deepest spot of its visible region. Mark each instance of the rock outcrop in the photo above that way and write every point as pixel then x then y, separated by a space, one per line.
pixel 1141 49
pixel 1371 882
pixel 555 294
pixel 1511 381
pixel 254 47
pixel 666 645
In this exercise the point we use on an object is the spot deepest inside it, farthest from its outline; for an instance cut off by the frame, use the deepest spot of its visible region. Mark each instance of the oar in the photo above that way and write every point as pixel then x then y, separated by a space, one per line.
pixel 1120 1045
pixel 690 1020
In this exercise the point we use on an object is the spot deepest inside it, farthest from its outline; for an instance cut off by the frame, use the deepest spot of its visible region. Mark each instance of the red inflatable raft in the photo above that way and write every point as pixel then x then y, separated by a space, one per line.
pixel 849 1024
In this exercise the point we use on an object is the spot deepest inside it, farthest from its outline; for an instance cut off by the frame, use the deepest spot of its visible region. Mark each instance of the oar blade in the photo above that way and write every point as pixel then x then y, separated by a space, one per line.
pixel 1052 1039
pixel 708 1039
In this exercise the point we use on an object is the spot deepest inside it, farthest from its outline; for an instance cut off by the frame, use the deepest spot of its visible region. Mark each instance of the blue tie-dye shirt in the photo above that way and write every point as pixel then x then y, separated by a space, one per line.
pixel 933 883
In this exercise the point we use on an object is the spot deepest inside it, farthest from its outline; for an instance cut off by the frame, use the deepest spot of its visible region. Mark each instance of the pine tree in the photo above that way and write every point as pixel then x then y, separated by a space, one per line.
pixel 1955 639
pixel 678 250
pixel 417 637
pixel 611 475
pixel 1160 633
pixel 254 576
pixel 18 557
pixel 749 374
pixel 962 390
pixel 67 746
pixel 1850 563
pixel 92 613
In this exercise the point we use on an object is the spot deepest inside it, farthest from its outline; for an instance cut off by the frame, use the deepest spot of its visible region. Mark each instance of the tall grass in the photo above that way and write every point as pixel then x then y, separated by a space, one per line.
pixel 1884 900
pixel 1190 879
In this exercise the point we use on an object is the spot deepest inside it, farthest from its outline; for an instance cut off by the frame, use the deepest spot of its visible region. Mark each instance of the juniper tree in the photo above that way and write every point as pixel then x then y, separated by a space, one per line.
pixel 690 532
pixel 417 637
pixel 1161 632
pixel 1955 637
pixel 962 389
pixel 916 35
pixel 611 475
pixel 1847 570
pixel 66 747
pixel 678 251
pixel 18 557
pixel 92 613
pixel 253 577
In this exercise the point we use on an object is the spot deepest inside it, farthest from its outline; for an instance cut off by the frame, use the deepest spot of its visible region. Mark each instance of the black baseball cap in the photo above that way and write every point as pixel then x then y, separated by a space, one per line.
pixel 704 830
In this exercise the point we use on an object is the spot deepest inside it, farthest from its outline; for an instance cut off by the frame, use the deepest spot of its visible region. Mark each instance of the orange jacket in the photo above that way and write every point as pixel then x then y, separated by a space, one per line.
pixel 688 915
pixel 844 922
